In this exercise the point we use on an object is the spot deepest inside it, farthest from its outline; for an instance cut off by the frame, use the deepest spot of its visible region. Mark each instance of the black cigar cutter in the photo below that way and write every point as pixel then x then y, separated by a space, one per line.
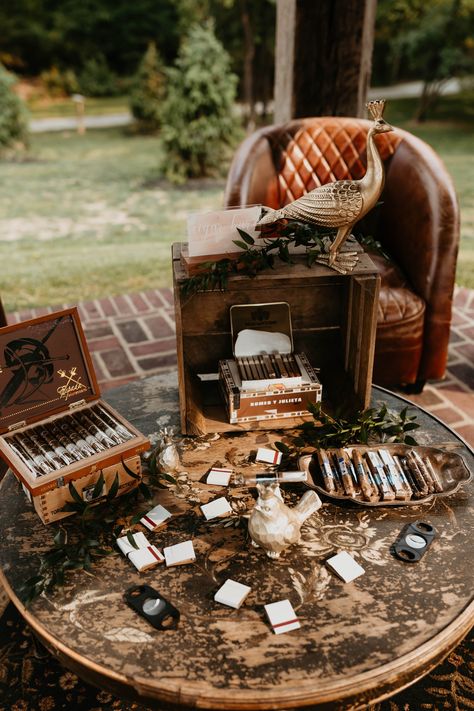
pixel 153 607
pixel 413 541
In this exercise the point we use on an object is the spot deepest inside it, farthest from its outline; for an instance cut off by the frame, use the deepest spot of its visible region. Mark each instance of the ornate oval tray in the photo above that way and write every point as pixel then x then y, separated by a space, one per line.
pixel 449 470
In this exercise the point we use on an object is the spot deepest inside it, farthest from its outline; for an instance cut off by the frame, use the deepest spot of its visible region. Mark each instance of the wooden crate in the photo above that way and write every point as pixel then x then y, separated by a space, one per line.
pixel 334 321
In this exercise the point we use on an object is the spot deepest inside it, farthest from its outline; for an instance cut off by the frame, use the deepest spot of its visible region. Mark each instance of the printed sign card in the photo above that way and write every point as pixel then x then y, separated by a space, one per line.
pixel 214 232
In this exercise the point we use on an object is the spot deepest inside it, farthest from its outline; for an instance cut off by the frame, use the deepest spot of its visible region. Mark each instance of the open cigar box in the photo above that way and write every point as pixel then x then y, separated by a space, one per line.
pixel 385 475
pixel 265 380
pixel 54 428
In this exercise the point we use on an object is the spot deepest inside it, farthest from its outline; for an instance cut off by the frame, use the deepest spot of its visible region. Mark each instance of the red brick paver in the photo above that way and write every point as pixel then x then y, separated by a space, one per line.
pixel 132 336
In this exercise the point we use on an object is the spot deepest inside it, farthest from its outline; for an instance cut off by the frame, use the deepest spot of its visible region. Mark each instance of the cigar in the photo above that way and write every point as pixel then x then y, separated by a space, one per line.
pixel 424 471
pixel 291 363
pixel 403 463
pixel 326 471
pixel 258 366
pixel 276 366
pixel 403 478
pixel 40 463
pixel 94 429
pixel 392 474
pixel 113 429
pixel 45 449
pixel 255 373
pixel 434 475
pixel 282 367
pixel 81 444
pixel 25 457
pixel 417 475
pixel 368 492
pixel 269 366
pixel 64 441
pixel 381 480
pixel 87 435
pixel 241 369
pixel 345 473
pixel 61 451
pixel 280 477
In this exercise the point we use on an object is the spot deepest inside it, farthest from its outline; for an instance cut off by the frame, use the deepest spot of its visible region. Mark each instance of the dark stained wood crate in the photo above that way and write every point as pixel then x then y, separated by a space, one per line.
pixel 334 322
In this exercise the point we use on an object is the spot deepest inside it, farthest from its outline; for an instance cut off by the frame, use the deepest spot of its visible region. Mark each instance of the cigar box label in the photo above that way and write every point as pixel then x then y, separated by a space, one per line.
pixel 269 456
pixel 155 518
pixel 179 554
pixel 232 593
pixel 214 509
pixel 282 616
pixel 219 477
pixel 345 566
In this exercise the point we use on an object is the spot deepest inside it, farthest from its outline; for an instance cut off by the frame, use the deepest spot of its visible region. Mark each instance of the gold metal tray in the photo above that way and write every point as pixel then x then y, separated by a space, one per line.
pixel 450 467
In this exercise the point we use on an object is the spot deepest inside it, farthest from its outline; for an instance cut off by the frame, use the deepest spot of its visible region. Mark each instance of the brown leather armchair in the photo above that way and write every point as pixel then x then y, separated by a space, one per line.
pixel 417 225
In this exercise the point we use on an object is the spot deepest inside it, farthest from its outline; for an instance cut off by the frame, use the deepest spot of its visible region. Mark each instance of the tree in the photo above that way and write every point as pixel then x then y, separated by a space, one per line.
pixel 198 123
pixel 433 41
pixel 148 92
pixel 13 118
pixel 323 57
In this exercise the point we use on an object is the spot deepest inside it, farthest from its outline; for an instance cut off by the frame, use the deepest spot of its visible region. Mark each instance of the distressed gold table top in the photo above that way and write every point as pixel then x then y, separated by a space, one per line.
pixel 357 642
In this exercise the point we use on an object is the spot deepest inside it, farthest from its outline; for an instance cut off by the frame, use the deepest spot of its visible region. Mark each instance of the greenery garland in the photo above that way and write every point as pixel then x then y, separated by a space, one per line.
pixel 214 275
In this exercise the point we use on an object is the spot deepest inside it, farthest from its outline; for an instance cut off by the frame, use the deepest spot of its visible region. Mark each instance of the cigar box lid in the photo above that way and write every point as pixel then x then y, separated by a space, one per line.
pixel 274 317
pixel 45 367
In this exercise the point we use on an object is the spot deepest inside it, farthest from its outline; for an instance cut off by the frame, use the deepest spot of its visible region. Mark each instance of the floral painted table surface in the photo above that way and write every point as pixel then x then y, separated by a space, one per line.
pixel 357 642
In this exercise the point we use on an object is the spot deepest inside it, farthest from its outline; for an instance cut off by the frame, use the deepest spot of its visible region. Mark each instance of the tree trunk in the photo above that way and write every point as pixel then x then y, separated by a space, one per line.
pixel 323 57
pixel 249 53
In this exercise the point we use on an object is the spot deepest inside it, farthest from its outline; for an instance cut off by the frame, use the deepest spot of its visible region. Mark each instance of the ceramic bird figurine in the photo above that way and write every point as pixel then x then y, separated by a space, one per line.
pixel 343 203
pixel 273 525
pixel 168 457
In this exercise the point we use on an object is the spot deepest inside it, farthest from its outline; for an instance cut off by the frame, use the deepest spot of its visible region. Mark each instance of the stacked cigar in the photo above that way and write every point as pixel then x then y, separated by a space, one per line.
pixel 50 446
pixel 268 366
pixel 377 475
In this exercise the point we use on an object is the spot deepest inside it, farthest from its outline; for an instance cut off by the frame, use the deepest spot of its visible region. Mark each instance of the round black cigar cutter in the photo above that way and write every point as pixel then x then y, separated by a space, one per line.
pixel 152 606
pixel 413 541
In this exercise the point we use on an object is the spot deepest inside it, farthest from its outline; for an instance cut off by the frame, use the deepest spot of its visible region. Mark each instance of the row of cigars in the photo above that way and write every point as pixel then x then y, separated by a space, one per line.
pixel 377 474
pixel 49 447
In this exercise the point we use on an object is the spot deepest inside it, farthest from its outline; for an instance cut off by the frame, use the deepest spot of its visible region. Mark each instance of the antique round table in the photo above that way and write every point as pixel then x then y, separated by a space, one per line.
pixel 358 642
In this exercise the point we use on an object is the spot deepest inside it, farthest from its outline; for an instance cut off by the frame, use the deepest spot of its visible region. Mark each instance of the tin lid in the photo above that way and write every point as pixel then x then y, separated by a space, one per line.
pixel 45 366
pixel 274 317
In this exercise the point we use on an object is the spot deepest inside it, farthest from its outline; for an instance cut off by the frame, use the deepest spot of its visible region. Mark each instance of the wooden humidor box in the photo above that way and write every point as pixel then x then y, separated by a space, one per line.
pixel 46 375
pixel 333 321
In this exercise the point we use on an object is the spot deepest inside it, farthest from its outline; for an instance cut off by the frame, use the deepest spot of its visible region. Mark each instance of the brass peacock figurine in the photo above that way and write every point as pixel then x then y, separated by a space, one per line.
pixel 343 203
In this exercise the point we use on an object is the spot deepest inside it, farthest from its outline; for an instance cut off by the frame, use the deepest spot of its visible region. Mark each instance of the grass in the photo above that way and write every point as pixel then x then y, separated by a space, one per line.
pixel 449 130
pixel 88 216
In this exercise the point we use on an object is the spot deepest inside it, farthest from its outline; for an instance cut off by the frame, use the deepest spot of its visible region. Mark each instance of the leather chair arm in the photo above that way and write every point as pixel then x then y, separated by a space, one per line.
pixel 420 228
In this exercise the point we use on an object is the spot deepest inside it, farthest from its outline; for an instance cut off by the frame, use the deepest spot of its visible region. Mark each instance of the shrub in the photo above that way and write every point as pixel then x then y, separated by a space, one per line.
pixel 197 119
pixel 97 79
pixel 59 83
pixel 146 97
pixel 13 115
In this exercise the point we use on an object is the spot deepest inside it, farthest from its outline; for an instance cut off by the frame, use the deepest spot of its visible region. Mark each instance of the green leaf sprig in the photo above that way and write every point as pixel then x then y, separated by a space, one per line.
pixel 363 427
pixel 83 539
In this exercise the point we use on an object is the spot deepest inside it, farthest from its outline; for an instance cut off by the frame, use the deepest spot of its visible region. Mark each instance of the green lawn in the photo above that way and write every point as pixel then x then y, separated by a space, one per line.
pixel 89 216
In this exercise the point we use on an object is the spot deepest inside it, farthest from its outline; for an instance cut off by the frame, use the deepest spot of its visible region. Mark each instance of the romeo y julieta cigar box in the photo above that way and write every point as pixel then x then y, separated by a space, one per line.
pixel 266 380
pixel 54 428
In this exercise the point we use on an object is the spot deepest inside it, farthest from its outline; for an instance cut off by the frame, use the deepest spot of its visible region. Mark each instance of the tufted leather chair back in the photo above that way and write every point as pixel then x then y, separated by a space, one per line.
pixel 418 223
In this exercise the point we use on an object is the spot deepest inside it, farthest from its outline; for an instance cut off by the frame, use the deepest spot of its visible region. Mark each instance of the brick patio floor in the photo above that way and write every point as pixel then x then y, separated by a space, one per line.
pixel 133 335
